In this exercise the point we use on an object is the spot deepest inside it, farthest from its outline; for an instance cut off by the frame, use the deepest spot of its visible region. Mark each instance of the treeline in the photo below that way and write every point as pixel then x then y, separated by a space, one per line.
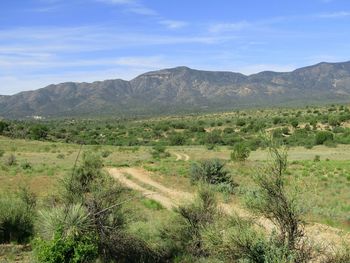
pixel 307 127
pixel 87 221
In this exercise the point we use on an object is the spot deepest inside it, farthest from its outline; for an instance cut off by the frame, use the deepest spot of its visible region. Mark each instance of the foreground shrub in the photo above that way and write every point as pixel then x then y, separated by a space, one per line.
pixel 66 250
pixel 184 233
pixel 90 223
pixel 16 219
pixel 272 201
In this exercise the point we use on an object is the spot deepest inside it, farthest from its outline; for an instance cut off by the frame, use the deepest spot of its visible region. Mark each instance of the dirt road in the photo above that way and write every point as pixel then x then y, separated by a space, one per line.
pixel 140 180
pixel 182 156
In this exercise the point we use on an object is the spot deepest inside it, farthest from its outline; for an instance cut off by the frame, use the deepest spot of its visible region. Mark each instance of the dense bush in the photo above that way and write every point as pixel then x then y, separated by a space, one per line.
pixel 240 152
pixel 323 136
pixel 177 139
pixel 16 218
pixel 211 172
pixel 39 132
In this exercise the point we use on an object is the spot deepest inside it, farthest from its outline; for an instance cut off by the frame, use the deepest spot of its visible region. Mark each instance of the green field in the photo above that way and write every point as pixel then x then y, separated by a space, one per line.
pixel 319 171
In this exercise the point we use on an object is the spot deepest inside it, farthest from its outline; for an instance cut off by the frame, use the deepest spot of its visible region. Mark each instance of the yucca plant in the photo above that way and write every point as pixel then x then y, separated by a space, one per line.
pixel 73 221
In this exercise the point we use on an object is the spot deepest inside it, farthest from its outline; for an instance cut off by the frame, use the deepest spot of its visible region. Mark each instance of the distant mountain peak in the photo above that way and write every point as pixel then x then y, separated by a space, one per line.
pixel 182 89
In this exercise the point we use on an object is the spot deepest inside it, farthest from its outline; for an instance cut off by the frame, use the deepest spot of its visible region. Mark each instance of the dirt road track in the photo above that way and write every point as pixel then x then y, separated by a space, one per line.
pixel 182 156
pixel 140 180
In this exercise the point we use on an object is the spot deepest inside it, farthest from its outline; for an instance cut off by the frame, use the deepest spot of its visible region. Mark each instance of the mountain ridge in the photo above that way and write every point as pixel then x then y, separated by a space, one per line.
pixel 180 89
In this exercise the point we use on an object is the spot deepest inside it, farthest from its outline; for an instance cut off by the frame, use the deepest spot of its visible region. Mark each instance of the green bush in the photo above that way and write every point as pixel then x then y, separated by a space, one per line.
pixel 25 165
pixel 177 139
pixel 323 136
pixel 240 152
pixel 183 234
pixel 16 220
pixel 106 153
pixel 66 250
pixel 152 204
pixel 210 171
pixel 39 132
pixel 159 151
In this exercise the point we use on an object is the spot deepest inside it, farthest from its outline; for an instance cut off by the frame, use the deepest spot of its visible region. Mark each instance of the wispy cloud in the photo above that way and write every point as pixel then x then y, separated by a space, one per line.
pixel 173 24
pixel 338 14
pixel 132 6
pixel 224 27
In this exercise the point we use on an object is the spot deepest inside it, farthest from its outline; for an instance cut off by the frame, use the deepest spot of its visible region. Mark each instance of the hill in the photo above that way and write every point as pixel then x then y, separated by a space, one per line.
pixel 182 89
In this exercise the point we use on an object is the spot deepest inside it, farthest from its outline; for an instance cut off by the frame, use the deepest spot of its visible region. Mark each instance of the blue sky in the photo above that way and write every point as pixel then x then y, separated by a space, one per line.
pixel 53 41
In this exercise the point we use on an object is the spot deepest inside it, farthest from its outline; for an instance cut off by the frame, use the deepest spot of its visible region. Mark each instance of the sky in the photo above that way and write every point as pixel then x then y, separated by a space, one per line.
pixel 53 41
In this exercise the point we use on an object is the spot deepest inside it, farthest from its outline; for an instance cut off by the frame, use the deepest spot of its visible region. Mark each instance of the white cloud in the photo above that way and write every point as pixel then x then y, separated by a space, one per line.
pixel 339 14
pixel 224 27
pixel 117 2
pixel 132 6
pixel 173 24
pixel 142 10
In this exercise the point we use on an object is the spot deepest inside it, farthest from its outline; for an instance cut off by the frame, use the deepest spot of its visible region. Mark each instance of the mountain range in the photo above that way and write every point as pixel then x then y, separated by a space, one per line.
pixel 182 89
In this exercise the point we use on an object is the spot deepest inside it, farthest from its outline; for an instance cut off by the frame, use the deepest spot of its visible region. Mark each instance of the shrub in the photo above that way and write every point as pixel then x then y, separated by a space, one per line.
pixel 25 165
pixel 3 126
pixel 60 156
pixel 39 132
pixel 240 152
pixel 177 139
pixel 106 153
pixel 213 137
pixel 294 123
pixel 90 220
pixel 159 151
pixel 317 158
pixel 240 122
pixel 66 250
pixel 11 160
pixel 16 220
pixel 323 136
pixel 210 171
pixel 152 204
pixel 272 201
pixel 184 232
